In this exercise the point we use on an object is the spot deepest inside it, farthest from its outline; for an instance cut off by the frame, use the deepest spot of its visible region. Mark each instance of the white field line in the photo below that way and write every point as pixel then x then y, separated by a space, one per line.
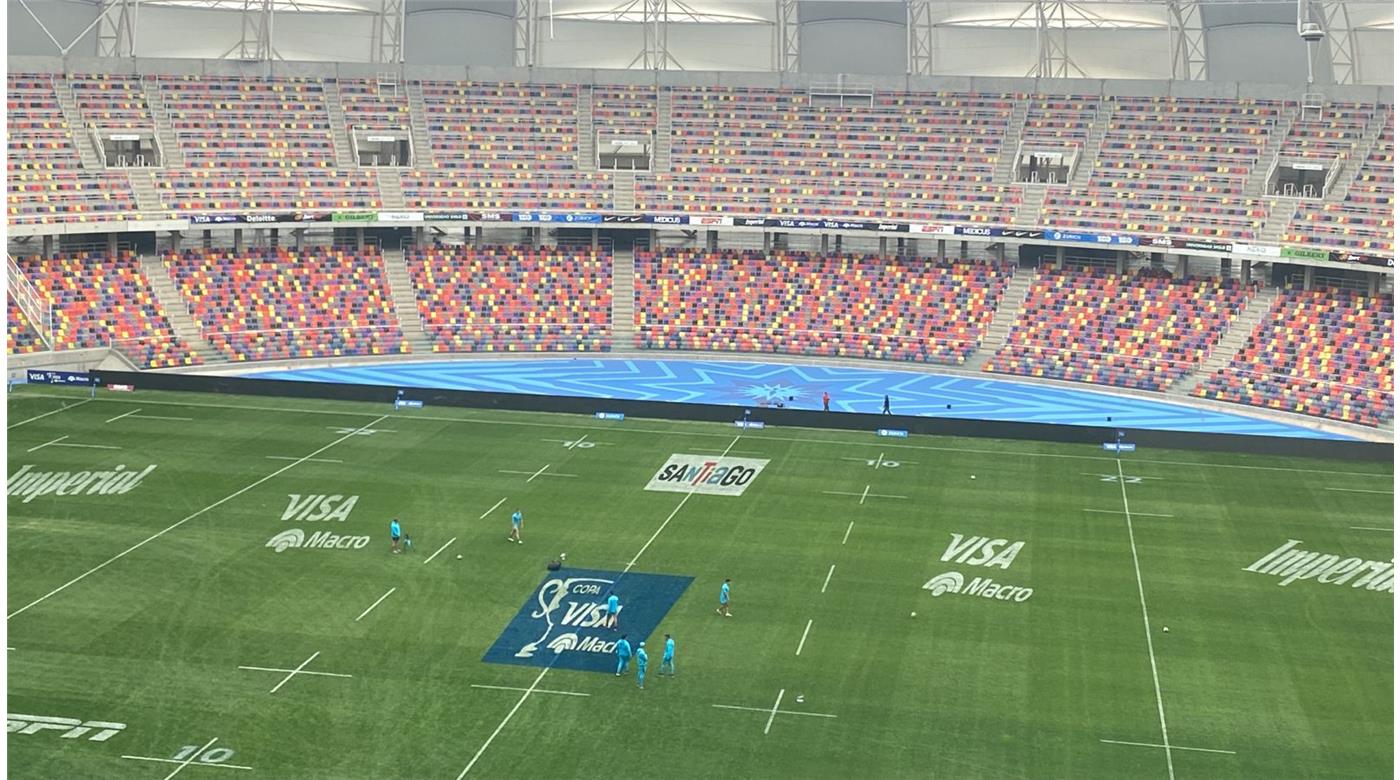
pixel 774 713
pixel 534 685
pixel 1371 528
pixel 210 764
pixel 879 460
pixel 804 637
pixel 380 599
pixel 440 549
pixel 1146 625
pixel 1101 476
pixel 90 446
pixel 864 493
pixel 537 473
pixel 158 417
pixel 765 436
pixel 187 761
pixel 828 575
pixel 493 508
pixel 765 709
pixel 272 669
pixel 1119 512
pixel 181 522
pixel 537 690
pixel 1174 747
pixel 45 444
pixel 577 442
pixel 46 414
pixel 118 417
pixel 308 460
pixel 1358 490
pixel 293 673
pixel 848 532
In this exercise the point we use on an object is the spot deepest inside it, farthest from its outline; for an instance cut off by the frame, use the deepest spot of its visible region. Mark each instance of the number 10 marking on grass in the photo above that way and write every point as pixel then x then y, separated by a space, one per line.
pixel 211 756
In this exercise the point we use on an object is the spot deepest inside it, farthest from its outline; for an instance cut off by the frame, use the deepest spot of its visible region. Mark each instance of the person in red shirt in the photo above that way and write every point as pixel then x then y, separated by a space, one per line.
pixel 826 401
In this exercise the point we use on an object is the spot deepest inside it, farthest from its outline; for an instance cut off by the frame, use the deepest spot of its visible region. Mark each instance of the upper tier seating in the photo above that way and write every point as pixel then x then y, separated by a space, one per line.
pixel 815 305
pixel 1143 331
pixel 1325 353
pixel 22 336
pixel 1365 219
pixel 261 144
pixel 514 299
pixel 1058 121
pixel 504 146
pixel 1323 137
pixel 771 152
pixel 46 179
pixel 624 110
pixel 100 300
pixel 371 106
pixel 112 102
pixel 265 304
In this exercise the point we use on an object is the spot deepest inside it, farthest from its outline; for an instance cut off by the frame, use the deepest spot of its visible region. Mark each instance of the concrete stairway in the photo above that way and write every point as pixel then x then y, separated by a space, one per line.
pixel 624 192
pixel 1032 198
pixel 181 320
pixel 583 121
pixel 143 186
pixel 77 126
pixel 1010 142
pixel 1093 146
pixel 661 148
pixel 174 156
pixel 390 188
pixel 1230 344
pixel 1007 310
pixel 624 302
pixel 1359 153
pixel 1257 181
pixel 418 118
pixel 1281 210
pixel 340 135
pixel 405 299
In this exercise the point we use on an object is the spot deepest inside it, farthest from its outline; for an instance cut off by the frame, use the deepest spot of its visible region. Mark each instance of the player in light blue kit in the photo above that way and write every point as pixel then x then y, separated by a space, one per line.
pixel 624 654
pixel 668 657
pixel 394 533
pixel 613 609
pixel 641 664
pixel 724 599
pixel 516 520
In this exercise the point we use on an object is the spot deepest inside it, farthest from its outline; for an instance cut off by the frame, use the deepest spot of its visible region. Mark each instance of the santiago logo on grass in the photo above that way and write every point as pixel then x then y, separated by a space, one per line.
pixel 706 474
pixel 293 538
pixel 561 624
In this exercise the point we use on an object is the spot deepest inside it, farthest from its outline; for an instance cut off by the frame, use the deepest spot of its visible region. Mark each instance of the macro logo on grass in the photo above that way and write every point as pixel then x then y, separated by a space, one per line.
pixel 979 551
pixel 31 484
pixel 706 474
pixel 1291 565
pixel 561 623
pixel 295 538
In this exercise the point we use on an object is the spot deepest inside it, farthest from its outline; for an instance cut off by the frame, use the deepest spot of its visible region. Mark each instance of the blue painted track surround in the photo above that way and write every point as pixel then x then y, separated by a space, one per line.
pixel 752 384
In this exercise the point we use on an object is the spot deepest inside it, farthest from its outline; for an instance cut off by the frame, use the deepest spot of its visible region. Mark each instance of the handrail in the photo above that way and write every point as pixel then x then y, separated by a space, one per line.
pixel 30 301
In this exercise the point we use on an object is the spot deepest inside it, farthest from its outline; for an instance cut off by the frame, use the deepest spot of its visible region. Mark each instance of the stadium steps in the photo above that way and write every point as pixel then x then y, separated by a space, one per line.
pixel 1281 211
pixel 178 311
pixel 661 146
pixel 1230 344
pixel 1093 145
pixel 1000 327
pixel 1011 143
pixel 340 134
pixel 143 186
pixel 1032 199
pixel 624 302
pixel 583 120
pixel 1359 155
pixel 624 192
pixel 405 297
pixel 390 188
pixel 172 155
pixel 77 126
pixel 1258 178
pixel 418 117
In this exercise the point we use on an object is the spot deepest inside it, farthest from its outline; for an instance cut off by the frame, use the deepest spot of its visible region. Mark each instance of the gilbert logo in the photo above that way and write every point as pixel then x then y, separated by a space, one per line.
pixel 706 474
pixel 294 538
pixel 1292 565
pixel 31 484
pixel 72 728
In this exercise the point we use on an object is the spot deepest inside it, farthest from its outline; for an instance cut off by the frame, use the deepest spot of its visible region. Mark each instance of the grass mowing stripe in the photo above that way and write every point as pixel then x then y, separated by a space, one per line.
pixel 186 519
pixel 46 414
pixel 1146 624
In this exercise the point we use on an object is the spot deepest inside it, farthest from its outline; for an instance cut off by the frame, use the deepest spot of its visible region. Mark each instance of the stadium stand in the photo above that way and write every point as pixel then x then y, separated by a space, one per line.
pixel 22 337
pixel 514 299
pixel 256 145
pixel 829 305
pixel 1331 132
pixel 371 106
pixel 102 300
pixel 625 110
pixel 1141 331
pixel 268 304
pixel 1324 352
pixel 768 151
pixel 1365 219
pixel 112 102
pixel 46 179
pixel 1058 121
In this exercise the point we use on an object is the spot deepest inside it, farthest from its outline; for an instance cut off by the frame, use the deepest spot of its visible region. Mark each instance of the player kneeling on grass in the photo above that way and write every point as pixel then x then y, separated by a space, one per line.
pixel 641 664
pixel 624 654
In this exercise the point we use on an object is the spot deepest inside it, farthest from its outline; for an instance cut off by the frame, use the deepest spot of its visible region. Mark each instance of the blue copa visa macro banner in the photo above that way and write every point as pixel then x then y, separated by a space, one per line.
pixel 561 624
pixel 58 377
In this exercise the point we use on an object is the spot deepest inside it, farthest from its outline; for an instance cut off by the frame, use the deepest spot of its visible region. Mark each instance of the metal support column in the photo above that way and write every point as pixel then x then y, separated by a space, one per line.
pixel 1188 40
pixel 116 29
pixel 1052 41
pixel 238 239
pixel 255 38
pixel 1308 273
pixel 919 21
pixel 785 36
pixel 1341 43
pixel 655 55
pixel 942 249
pixel 526 36
pixel 359 239
pixel 48 245
pixel 386 38
pixel 1183 266
pixel 207 240
pixel 1059 258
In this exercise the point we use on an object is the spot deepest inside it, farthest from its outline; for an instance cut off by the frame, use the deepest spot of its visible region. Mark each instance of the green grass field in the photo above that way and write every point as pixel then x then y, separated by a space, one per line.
pixel 139 608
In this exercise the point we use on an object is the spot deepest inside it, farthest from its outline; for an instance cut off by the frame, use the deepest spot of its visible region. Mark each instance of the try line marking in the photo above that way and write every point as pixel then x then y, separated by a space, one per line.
pixel 1174 747
pixel 536 684
pixel 381 598
pixel 186 519
pixel 46 414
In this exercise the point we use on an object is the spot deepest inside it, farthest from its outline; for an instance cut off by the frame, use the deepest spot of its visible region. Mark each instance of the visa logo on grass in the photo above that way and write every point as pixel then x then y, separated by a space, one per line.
pixel 561 624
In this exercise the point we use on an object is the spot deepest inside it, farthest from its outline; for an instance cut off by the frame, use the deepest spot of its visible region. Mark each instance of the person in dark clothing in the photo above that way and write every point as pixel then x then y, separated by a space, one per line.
pixel 886 410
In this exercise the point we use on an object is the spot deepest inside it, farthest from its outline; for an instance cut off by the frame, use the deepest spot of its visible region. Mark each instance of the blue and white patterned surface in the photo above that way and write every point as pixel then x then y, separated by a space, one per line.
pixel 853 389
